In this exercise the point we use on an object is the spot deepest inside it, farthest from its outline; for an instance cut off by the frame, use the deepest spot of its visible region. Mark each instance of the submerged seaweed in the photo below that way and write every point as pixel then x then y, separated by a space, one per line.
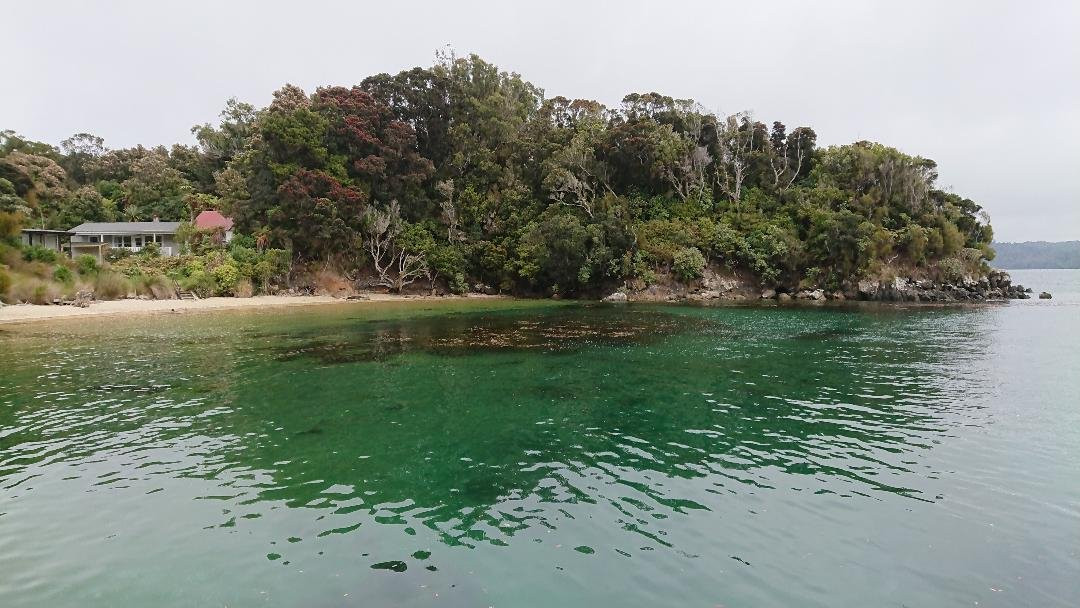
pixel 471 334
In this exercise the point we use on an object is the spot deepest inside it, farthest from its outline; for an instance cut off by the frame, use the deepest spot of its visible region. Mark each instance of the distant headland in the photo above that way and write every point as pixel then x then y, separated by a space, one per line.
pixel 1037 254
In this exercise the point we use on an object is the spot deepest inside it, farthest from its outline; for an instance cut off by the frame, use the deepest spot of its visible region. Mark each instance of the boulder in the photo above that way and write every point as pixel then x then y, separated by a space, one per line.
pixel 867 289
pixel 1045 295
pixel 711 281
pixel 83 299
pixel 618 296
pixel 768 294
pixel 783 297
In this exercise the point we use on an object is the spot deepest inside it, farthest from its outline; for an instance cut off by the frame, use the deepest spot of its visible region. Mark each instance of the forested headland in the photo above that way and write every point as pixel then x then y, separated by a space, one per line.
pixel 461 176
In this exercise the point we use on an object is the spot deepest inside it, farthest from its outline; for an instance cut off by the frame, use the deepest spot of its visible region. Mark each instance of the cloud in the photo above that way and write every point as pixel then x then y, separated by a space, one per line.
pixel 988 89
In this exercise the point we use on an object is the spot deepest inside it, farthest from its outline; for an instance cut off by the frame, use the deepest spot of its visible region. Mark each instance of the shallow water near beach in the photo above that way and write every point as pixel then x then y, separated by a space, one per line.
pixel 517 453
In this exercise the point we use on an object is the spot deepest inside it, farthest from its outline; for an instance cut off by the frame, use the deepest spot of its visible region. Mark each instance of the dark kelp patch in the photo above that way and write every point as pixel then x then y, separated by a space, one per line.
pixel 462 335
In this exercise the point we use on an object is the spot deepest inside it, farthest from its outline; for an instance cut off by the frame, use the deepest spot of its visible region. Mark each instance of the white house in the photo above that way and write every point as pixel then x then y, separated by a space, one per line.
pixel 95 238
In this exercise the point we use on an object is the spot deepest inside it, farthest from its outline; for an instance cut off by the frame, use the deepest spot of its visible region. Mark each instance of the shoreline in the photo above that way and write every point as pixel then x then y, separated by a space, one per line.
pixel 30 313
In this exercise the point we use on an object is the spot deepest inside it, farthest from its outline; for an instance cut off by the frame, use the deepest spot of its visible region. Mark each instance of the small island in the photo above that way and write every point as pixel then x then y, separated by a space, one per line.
pixel 460 177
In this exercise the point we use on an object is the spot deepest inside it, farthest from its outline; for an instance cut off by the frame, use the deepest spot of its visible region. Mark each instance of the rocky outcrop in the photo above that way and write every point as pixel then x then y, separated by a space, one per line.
pixel 1045 295
pixel 997 285
pixel 727 286
pixel 715 284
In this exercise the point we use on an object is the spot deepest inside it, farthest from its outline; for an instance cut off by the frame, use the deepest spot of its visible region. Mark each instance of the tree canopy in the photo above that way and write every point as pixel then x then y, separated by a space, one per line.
pixel 471 175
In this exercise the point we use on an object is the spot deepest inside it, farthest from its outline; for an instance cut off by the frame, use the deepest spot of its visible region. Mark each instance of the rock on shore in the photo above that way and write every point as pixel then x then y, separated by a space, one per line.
pixel 995 286
pixel 727 286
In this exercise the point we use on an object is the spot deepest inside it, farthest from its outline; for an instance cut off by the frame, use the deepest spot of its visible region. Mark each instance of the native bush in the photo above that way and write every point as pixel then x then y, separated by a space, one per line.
pixel 226 275
pixel 63 274
pixel 688 263
pixel 951 270
pixel 547 195
pixel 37 253
pixel 150 250
pixel 86 264
pixel 201 283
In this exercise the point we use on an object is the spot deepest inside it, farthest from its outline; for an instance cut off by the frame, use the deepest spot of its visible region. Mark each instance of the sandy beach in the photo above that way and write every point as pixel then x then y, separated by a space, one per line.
pixel 21 313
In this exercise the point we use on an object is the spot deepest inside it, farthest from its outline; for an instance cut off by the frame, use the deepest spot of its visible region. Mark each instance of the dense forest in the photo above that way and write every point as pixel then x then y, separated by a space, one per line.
pixel 461 174
pixel 1037 254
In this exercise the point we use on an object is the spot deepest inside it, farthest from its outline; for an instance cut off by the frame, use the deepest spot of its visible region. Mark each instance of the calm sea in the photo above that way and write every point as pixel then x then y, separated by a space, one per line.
pixel 546 454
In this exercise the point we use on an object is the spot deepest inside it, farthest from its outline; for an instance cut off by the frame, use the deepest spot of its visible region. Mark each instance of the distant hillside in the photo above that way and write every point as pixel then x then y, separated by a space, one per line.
pixel 1037 254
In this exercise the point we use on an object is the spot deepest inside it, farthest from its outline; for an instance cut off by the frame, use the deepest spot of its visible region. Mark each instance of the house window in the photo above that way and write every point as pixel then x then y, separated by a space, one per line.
pixel 95 239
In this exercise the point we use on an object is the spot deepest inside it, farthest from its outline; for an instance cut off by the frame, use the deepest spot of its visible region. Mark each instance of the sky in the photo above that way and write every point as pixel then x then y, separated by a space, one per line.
pixel 988 89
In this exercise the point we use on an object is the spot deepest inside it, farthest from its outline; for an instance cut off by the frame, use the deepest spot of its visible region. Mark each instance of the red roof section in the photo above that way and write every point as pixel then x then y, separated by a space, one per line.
pixel 213 219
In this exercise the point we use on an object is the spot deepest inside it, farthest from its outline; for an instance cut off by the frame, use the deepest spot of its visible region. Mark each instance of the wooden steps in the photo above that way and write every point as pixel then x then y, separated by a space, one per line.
pixel 187 295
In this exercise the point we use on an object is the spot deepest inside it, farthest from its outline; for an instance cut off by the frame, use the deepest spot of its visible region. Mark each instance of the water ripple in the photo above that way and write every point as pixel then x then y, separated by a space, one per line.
pixel 660 449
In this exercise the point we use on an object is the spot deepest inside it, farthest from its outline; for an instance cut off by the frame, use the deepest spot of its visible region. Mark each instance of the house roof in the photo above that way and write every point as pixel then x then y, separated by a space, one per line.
pixel 213 219
pixel 126 228
pixel 43 231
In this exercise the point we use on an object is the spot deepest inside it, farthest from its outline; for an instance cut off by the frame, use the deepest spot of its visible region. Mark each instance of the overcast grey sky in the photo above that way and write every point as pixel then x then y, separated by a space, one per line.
pixel 990 90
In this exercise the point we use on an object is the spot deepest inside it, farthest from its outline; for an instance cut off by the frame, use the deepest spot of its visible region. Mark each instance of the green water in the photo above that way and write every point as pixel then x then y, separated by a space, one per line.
pixel 546 454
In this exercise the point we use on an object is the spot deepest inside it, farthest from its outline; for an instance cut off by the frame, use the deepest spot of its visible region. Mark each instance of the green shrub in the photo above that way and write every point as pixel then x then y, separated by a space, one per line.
pixel 150 250
pixel 37 253
pixel 971 256
pixel 226 277
pixel 242 240
pixel 194 266
pixel 63 274
pixel 244 255
pixel 688 263
pixel 86 264
pixel 951 270
pixel 457 283
pixel 110 285
pixel 261 273
pixel 200 282
pixel 272 264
